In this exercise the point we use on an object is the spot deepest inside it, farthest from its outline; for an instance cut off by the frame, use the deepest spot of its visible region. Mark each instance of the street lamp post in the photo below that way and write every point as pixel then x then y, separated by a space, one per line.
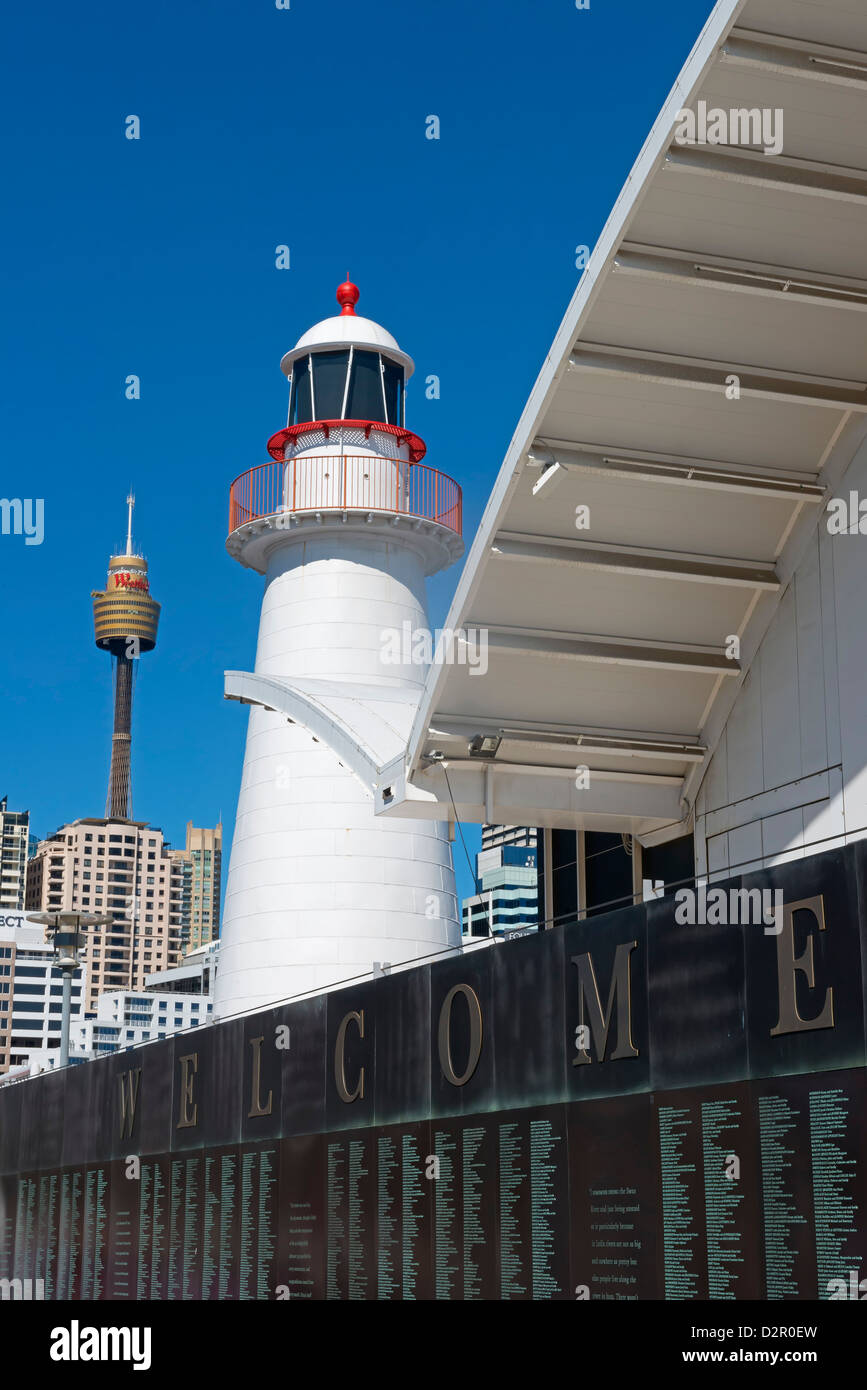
pixel 66 932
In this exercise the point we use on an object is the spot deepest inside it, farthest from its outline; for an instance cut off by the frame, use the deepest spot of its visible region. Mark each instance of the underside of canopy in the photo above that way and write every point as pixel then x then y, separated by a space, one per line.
pixel 704 393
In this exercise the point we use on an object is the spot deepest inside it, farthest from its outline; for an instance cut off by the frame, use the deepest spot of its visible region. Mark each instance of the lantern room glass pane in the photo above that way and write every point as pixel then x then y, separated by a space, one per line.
pixel 393 376
pixel 329 383
pixel 301 404
pixel 365 388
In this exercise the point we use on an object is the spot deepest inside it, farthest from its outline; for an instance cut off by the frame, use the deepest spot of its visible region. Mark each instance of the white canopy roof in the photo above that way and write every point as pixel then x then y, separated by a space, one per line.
pixel 610 645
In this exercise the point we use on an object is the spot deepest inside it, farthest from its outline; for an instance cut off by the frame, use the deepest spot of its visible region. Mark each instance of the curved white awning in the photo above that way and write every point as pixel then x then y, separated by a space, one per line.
pixel 365 726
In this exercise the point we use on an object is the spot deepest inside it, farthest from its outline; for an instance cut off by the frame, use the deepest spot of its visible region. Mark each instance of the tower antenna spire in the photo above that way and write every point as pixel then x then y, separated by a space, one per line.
pixel 130 502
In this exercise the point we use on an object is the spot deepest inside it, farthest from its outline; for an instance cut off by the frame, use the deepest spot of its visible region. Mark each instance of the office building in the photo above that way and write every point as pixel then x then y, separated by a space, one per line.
pixel 506 899
pixel 30 995
pixel 125 1018
pixel 30 1005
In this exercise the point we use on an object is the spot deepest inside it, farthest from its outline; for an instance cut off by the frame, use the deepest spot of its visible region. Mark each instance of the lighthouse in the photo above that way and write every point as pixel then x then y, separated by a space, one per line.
pixel 345 523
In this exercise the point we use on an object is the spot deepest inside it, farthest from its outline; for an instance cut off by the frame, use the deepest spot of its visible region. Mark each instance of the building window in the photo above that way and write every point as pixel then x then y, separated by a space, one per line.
pixel 609 872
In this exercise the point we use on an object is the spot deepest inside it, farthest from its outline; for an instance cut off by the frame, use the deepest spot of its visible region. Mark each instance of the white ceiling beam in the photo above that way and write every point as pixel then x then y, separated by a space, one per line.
pixel 669 468
pixel 668 369
pixel 654 564
pixel 795 58
pixel 591 748
pixel 812 178
pixel 644 779
pixel 779 283
pixel 613 651
pixel 519 794
pixel 620 742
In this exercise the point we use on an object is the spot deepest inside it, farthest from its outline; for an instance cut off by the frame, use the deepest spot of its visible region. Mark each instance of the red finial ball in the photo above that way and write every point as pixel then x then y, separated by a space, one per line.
pixel 347 296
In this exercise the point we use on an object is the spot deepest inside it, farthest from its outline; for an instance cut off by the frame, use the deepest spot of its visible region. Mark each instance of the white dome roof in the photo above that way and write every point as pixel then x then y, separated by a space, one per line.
pixel 347 328
pixel 344 330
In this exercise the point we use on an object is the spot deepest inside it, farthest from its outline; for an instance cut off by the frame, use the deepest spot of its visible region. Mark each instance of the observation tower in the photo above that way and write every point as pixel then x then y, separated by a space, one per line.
pixel 345 524
pixel 125 621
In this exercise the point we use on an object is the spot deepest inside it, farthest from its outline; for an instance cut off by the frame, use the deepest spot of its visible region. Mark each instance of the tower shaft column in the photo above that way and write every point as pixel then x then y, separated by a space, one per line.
pixel 118 802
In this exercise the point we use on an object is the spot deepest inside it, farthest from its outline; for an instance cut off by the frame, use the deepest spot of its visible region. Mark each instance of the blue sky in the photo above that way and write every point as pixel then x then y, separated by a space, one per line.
pixel 156 257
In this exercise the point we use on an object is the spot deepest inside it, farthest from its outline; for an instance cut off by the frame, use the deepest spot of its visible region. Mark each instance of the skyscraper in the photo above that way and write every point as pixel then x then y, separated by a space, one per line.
pixel 14 832
pixel 203 854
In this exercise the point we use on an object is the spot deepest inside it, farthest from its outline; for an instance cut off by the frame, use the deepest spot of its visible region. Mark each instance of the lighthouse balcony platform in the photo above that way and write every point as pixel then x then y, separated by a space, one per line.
pixel 338 487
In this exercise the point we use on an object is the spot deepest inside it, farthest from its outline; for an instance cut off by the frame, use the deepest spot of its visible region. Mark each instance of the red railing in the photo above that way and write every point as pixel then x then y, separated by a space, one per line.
pixel 361 482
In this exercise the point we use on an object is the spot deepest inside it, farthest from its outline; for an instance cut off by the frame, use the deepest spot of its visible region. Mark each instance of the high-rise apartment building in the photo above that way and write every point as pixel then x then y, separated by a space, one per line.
pixel 203 854
pixel 127 869
pixel 14 831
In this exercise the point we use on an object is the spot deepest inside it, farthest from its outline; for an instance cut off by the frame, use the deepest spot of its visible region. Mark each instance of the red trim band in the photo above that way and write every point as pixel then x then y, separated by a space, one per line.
pixel 277 443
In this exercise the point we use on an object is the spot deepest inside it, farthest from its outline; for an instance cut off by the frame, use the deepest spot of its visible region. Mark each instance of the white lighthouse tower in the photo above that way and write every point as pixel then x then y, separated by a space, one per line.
pixel 345 524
